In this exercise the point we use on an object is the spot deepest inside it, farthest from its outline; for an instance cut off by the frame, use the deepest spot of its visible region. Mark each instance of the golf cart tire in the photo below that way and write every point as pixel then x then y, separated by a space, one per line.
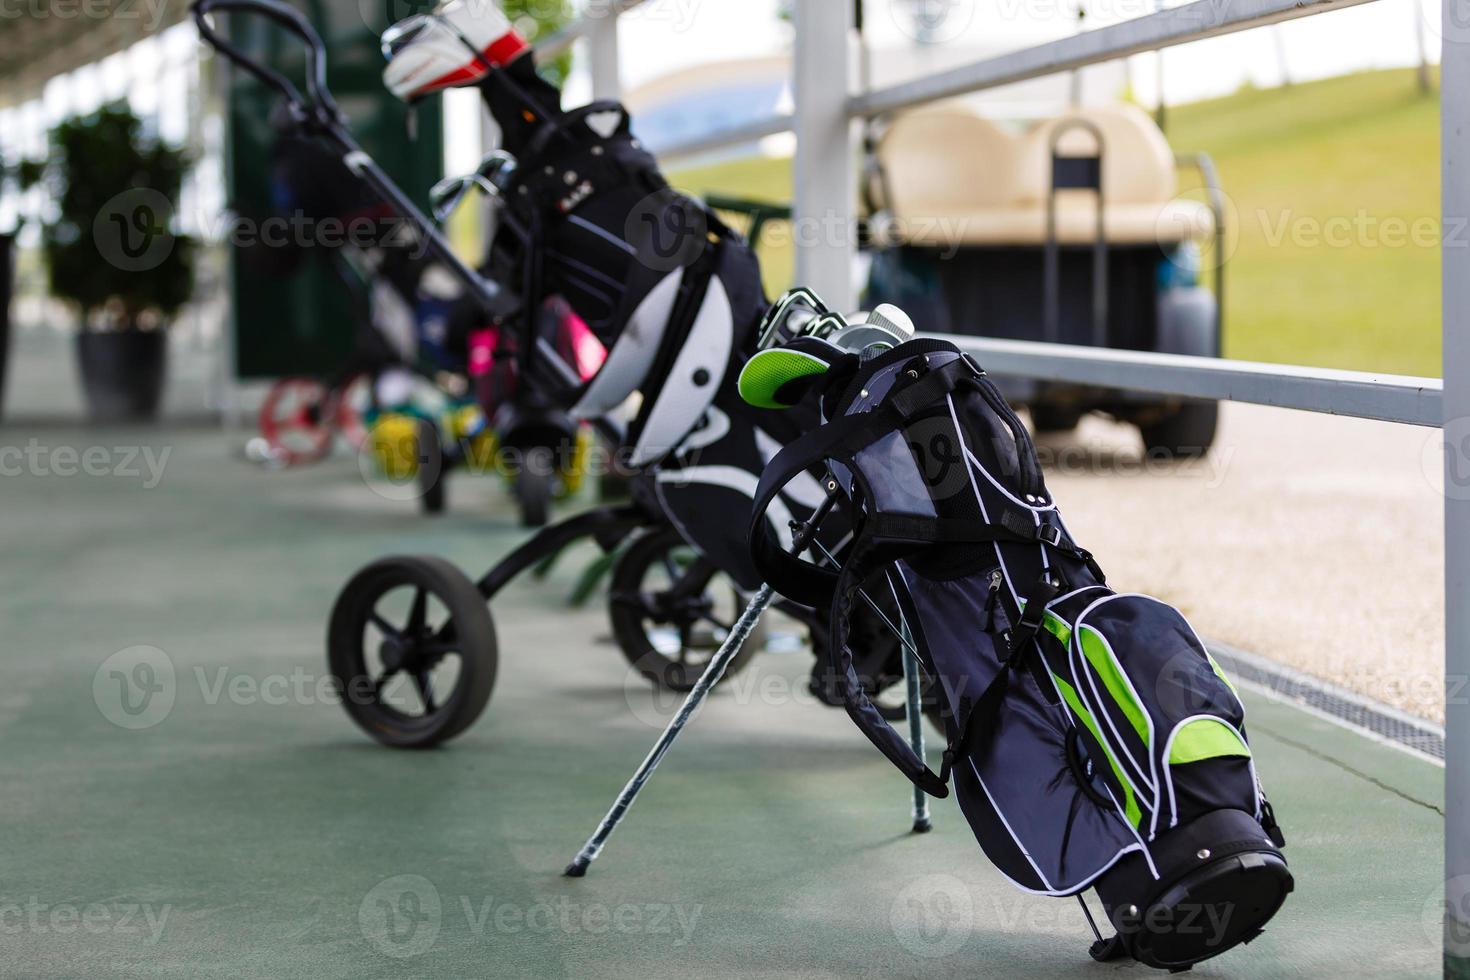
pixel 1188 432
pixel 1188 324
pixel 431 468
pixel 535 486
pixel 1054 419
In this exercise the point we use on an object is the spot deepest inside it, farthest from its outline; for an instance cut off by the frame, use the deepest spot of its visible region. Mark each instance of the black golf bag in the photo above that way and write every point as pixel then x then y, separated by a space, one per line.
pixel 1093 741
pixel 676 298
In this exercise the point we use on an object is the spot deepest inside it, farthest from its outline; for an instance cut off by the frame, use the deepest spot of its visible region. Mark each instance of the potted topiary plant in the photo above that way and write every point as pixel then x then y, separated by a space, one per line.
pixel 113 250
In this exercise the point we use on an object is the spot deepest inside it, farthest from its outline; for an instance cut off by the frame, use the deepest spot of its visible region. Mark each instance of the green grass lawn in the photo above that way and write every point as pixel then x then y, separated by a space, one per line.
pixel 1334 187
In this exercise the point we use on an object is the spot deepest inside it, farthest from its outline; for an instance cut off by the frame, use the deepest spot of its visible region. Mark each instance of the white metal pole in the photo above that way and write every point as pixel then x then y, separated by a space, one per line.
pixel 603 54
pixel 826 179
pixel 1455 259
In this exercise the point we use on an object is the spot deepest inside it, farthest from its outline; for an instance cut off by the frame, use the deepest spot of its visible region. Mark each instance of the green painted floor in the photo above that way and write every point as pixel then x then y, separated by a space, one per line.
pixel 251 831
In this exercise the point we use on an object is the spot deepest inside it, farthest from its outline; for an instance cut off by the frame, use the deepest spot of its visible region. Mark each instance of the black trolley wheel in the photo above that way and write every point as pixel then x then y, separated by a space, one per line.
pixel 665 603
pixel 412 649
pixel 534 486
pixel 432 467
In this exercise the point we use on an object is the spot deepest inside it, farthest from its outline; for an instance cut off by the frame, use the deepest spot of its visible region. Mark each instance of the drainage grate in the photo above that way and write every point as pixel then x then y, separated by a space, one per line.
pixel 1346 707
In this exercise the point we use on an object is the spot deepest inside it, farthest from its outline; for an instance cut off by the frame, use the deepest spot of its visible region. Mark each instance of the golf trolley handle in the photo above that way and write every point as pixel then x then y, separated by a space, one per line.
pixel 319 112
pixel 318 100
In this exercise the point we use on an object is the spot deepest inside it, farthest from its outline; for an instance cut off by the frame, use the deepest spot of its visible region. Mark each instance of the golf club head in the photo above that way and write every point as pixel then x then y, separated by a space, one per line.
pixel 456 44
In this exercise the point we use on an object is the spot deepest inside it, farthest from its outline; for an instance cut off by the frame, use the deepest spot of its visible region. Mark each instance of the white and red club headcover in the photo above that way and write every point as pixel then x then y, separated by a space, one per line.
pixel 457 44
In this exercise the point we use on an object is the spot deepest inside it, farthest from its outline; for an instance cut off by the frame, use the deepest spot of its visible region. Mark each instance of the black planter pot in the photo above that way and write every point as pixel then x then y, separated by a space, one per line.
pixel 122 374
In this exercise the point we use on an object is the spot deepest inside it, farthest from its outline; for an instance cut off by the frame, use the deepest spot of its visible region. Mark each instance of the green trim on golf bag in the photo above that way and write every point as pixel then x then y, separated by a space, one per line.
pixel 1091 737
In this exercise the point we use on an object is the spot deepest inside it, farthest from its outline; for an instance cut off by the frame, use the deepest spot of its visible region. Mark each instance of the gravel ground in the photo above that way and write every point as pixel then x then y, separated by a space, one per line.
pixel 1313 540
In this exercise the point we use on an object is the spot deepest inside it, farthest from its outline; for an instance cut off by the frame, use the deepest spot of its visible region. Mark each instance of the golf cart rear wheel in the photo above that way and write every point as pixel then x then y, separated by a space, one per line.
pixel 1186 433
pixel 431 468
pixel 671 609
pixel 412 648
pixel 1054 419
pixel 534 486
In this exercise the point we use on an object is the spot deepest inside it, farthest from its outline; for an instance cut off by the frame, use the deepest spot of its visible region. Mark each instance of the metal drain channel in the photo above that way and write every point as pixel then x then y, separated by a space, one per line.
pixel 1378 721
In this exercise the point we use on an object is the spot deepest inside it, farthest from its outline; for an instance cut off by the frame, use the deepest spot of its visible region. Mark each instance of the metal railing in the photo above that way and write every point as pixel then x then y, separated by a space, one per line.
pixel 826 185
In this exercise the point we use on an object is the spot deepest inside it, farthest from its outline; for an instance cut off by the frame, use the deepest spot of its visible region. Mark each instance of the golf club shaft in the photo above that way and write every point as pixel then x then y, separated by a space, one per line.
pixel 739 633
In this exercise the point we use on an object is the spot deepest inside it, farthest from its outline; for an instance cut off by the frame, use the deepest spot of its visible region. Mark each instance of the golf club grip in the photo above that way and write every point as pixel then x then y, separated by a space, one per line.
pixel 287 17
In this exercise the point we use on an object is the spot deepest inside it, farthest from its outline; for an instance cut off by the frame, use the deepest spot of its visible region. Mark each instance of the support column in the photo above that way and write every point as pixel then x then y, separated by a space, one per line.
pixel 826 176
pixel 602 52
pixel 1455 258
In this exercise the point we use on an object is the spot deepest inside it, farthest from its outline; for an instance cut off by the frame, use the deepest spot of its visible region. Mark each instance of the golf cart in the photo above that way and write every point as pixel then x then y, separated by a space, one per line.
pixel 1068 232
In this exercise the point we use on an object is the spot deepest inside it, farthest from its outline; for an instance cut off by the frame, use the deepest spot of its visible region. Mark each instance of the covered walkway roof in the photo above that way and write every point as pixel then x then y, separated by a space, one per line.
pixel 50 37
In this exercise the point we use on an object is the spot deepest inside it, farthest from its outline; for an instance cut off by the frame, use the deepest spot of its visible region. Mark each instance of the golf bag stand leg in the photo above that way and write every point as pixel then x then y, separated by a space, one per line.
pixel 913 681
pixel 711 676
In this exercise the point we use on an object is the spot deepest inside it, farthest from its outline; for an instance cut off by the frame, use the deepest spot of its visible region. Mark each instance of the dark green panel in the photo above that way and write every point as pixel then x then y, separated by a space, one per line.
pixel 303 323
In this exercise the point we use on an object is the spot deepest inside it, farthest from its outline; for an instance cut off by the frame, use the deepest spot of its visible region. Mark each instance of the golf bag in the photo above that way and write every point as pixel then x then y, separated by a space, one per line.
pixel 672 293
pixel 1092 739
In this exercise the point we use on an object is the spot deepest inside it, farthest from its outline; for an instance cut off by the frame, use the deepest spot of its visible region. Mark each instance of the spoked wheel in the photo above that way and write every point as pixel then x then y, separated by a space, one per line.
pixel 671 609
pixel 412 647
pixel 293 420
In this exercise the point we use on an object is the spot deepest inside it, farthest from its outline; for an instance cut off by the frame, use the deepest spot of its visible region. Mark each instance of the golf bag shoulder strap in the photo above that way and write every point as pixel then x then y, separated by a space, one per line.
pixel 866 557
pixel 839 440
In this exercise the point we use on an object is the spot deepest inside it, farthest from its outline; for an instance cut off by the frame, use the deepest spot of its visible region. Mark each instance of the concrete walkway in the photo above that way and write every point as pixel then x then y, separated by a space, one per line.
pixel 249 830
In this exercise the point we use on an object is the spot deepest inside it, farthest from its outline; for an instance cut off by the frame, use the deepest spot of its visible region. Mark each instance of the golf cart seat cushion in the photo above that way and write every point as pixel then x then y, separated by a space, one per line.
pixel 1168 223
pixel 948 159
pixel 1137 162
pixel 958 178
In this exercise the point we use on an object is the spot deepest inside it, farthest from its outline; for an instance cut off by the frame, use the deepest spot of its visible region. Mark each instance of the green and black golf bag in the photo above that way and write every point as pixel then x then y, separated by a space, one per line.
pixel 1093 740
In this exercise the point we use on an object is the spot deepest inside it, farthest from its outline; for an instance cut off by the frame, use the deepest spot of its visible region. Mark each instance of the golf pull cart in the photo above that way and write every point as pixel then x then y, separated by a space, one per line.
pixel 426 441
pixel 411 641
